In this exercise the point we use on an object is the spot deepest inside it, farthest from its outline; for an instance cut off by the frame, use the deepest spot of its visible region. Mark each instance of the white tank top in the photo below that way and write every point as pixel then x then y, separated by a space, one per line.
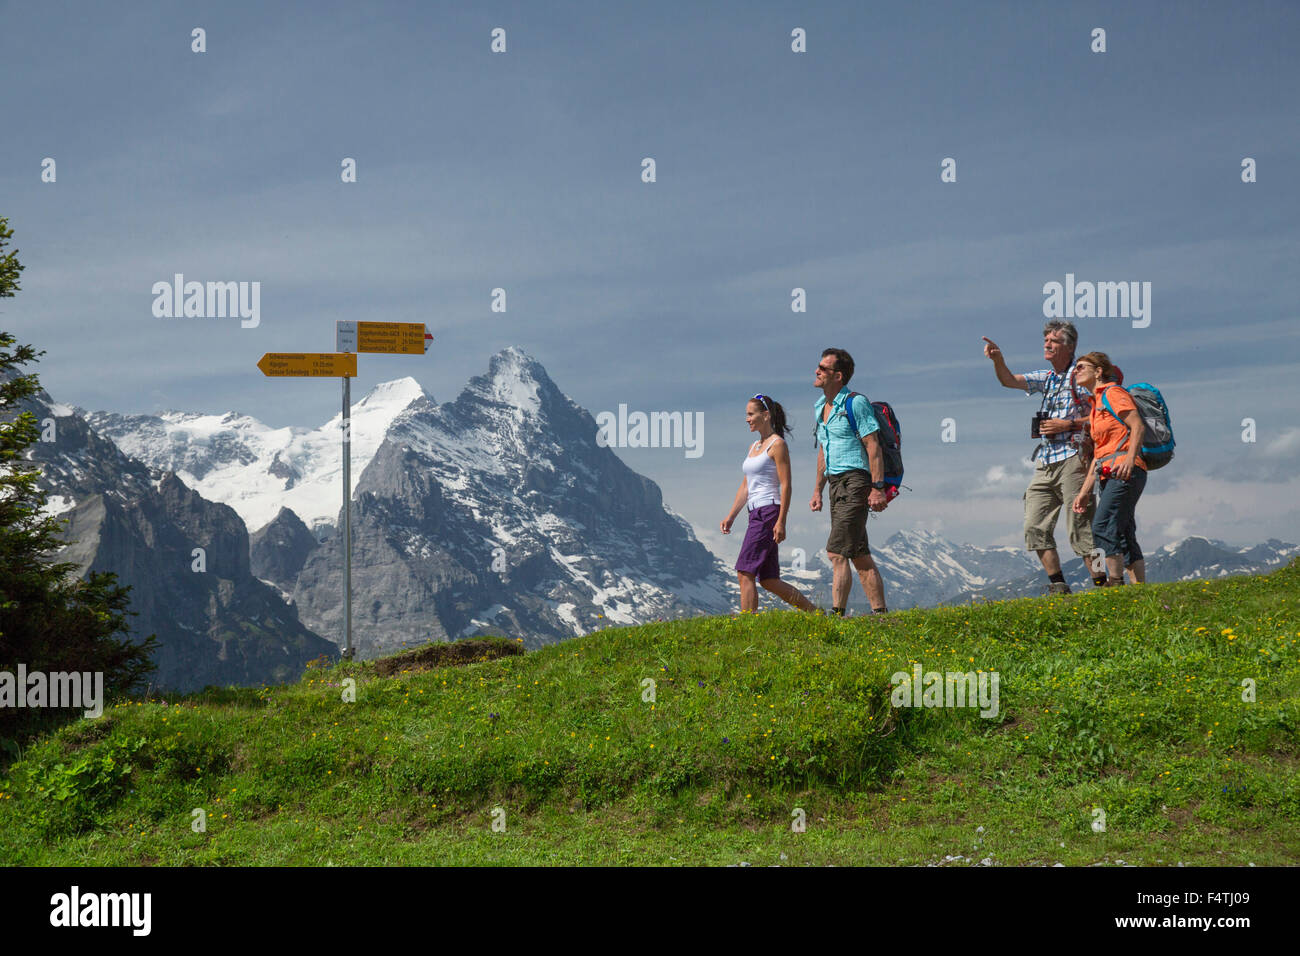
pixel 761 480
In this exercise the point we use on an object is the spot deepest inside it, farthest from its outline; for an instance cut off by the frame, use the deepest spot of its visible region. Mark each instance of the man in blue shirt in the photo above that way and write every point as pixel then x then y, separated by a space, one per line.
pixel 848 459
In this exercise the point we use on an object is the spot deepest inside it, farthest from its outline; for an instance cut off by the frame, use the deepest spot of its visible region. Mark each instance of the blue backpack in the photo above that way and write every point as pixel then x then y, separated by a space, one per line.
pixel 1158 431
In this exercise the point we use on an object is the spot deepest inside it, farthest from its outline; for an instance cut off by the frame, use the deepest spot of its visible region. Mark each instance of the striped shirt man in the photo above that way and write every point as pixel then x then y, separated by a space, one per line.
pixel 1058 401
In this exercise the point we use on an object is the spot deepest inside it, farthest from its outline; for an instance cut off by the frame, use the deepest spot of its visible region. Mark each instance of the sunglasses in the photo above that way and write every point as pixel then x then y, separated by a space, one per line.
pixel 828 371
pixel 759 398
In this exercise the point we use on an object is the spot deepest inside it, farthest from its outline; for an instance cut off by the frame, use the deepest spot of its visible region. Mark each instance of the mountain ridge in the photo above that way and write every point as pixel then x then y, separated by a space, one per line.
pixel 499 512
pixel 186 560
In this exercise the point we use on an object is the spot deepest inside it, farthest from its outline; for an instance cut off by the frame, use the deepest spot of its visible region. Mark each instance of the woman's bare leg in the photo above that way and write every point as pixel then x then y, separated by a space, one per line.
pixel 787 593
pixel 748 593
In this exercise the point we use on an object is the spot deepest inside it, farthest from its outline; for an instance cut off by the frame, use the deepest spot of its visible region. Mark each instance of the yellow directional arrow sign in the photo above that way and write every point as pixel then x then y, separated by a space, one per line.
pixel 324 364
pixel 406 338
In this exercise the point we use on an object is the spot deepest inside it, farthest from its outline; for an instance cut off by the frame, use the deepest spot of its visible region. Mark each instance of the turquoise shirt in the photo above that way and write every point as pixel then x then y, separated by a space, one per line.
pixel 844 450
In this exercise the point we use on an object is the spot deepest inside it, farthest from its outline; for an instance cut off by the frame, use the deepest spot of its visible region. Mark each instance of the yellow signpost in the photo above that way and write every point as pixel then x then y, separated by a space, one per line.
pixel 403 338
pixel 350 337
pixel 323 364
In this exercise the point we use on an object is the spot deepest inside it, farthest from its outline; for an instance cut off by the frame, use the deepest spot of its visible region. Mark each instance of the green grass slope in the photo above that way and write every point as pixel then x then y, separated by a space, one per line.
pixel 1124 733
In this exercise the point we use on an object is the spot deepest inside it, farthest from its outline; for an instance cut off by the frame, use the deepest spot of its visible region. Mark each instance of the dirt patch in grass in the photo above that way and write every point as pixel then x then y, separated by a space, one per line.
pixel 87 733
pixel 450 654
pixel 1015 723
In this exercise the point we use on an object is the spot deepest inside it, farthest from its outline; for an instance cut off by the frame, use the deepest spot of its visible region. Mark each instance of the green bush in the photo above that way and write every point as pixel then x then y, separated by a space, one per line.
pixel 67 798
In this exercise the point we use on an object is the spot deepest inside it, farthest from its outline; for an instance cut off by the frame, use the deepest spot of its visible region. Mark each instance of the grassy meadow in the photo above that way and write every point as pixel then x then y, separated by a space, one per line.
pixel 1125 732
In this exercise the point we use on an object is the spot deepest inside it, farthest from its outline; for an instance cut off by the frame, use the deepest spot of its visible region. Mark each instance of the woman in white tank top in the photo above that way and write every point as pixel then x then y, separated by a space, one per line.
pixel 765 491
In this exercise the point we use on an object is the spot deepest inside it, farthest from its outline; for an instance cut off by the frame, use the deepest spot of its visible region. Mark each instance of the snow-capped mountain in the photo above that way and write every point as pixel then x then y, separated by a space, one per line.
pixel 923 567
pixel 919 568
pixel 1196 557
pixel 259 470
pixel 1192 558
pixel 497 512
pixel 500 513
pixel 256 469
pixel 185 558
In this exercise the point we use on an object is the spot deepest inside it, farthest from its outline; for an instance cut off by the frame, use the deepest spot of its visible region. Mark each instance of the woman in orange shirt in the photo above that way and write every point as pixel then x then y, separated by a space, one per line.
pixel 1116 440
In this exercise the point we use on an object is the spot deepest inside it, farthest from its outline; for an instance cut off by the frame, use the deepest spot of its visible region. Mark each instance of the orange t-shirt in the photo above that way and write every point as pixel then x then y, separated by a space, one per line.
pixel 1109 434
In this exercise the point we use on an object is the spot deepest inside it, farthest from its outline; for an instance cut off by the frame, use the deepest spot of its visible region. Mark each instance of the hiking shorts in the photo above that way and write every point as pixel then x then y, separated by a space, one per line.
pixel 1115 527
pixel 1055 486
pixel 848 492
pixel 758 552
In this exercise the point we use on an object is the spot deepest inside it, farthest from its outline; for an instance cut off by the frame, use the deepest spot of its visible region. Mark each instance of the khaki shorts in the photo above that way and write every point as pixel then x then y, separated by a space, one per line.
pixel 1054 487
pixel 848 492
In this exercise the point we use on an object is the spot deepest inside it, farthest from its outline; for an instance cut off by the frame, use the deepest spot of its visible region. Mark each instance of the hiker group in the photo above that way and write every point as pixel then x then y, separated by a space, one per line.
pixel 1092 433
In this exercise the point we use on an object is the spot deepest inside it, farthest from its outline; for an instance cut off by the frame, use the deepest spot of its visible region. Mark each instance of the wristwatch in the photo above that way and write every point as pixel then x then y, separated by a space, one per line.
pixel 879 485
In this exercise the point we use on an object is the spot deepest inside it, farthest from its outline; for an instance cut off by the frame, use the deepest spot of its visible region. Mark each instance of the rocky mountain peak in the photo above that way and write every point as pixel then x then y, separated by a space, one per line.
pixel 278 551
pixel 515 380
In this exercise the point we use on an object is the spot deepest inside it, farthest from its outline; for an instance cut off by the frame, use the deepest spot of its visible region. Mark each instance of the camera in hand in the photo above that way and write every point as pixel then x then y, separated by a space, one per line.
pixel 1036 424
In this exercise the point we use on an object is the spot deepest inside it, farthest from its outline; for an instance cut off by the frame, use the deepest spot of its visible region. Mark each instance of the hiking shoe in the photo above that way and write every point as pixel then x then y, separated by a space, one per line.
pixel 1058 587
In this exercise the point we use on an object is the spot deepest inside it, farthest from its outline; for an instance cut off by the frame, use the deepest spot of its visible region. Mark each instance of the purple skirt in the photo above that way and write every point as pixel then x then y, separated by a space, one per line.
pixel 758 552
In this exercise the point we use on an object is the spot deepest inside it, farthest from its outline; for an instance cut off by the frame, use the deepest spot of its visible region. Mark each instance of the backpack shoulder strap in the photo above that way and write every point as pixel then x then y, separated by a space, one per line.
pixel 1106 404
pixel 848 412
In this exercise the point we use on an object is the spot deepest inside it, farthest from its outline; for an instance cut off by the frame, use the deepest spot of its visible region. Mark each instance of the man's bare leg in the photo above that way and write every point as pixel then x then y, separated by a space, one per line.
pixel 841 580
pixel 1051 561
pixel 872 582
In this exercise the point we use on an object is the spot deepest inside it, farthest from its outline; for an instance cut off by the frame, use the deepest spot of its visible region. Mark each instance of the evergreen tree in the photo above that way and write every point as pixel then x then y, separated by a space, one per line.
pixel 50 620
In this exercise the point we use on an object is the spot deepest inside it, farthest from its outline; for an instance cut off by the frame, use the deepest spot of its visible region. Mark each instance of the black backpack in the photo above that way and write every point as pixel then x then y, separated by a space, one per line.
pixel 891 441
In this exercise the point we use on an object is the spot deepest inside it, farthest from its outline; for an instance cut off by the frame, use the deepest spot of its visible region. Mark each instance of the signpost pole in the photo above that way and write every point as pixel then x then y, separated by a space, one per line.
pixel 350 337
pixel 347 518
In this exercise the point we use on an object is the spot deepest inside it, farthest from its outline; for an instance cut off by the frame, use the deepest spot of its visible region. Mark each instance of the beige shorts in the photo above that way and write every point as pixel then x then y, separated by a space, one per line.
pixel 1054 487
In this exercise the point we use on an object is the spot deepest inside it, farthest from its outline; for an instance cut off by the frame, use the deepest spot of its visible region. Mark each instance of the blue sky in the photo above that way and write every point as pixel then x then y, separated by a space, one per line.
pixel 775 170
